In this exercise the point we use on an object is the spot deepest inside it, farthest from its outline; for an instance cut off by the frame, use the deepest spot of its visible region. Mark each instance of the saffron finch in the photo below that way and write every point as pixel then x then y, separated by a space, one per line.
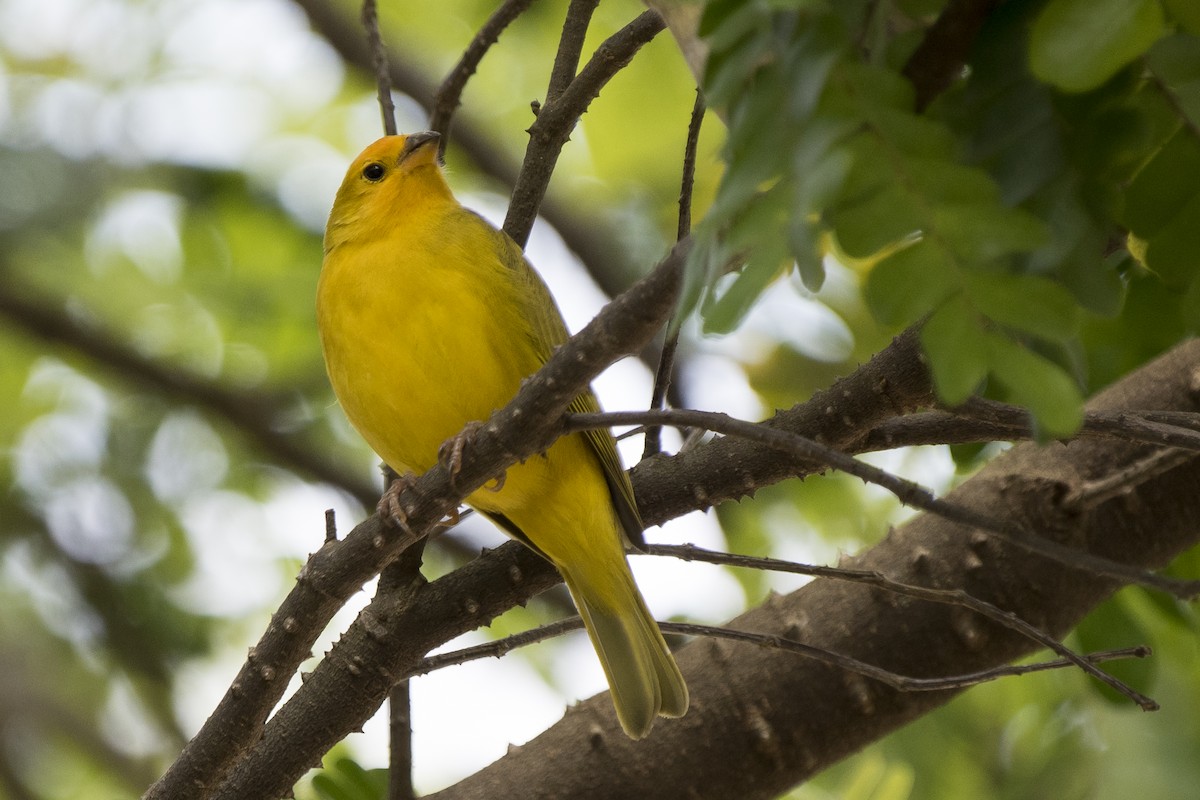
pixel 430 318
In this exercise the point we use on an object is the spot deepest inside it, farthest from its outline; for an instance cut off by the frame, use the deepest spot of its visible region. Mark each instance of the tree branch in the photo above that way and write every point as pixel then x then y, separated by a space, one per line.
pixel 570 45
pixel 666 358
pixel 558 115
pixel 750 732
pixel 383 82
pixel 917 496
pixel 449 93
pixel 938 61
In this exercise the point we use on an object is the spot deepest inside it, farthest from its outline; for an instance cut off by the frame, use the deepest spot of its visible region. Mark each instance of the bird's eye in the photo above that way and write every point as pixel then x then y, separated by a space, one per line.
pixel 373 171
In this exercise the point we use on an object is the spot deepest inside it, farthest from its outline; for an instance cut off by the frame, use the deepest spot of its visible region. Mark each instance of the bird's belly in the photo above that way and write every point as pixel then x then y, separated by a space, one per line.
pixel 412 368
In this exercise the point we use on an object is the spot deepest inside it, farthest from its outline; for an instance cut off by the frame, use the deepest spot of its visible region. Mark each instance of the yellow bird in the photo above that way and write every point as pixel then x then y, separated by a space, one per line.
pixel 430 318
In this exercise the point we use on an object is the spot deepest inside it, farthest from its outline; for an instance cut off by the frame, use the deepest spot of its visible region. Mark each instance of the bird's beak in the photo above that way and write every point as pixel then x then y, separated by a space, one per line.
pixel 417 141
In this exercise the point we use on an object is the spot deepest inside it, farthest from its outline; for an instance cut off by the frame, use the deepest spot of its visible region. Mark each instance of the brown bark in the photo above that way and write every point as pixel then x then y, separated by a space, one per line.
pixel 763 721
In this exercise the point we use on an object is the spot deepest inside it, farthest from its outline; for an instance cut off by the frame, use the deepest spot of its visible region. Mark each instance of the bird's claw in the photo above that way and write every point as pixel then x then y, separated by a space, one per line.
pixel 389 506
pixel 451 452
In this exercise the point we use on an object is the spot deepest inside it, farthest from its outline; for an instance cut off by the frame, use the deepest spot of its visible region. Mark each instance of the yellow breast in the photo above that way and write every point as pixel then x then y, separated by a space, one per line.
pixel 418 337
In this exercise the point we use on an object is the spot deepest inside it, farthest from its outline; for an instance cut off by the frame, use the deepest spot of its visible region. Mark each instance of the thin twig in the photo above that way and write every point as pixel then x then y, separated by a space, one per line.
pixel 552 128
pixel 570 45
pixel 501 647
pixel 400 763
pixel 907 492
pixel 497 648
pixel 954 597
pixel 449 94
pixel 1011 424
pixel 900 682
pixel 1177 419
pixel 383 81
pixel 1122 480
pixel 666 360
pixel 1174 429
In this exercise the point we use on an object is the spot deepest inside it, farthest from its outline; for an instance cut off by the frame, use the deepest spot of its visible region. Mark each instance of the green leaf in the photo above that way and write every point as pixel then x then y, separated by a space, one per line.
pixel 909 283
pixel 1175 60
pixel 1174 252
pixel 912 134
pixel 885 217
pixel 728 71
pixel 803 241
pixel 956 346
pixel 1095 283
pixel 723 312
pixel 1163 186
pixel 728 17
pixel 948 182
pixel 1038 384
pixel 983 232
pixel 874 89
pixel 703 265
pixel 1077 45
pixel 1027 303
pixel 1186 13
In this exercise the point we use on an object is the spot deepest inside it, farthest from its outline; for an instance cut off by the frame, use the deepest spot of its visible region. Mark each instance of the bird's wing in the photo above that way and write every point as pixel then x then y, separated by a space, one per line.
pixel 549 331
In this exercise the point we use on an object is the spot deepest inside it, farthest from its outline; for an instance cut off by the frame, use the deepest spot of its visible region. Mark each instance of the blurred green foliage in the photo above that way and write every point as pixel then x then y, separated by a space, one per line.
pixel 146 531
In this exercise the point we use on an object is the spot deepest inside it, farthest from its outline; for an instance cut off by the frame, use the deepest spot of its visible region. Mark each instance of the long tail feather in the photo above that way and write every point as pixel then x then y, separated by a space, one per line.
pixel 642 674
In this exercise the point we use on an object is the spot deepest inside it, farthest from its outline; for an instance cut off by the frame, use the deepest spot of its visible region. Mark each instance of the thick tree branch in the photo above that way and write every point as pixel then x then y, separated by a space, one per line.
pixel 893 383
pixel 751 732
pixel 917 496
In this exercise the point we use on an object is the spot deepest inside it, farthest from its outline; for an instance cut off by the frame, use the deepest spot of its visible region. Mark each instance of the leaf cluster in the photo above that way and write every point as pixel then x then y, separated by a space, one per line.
pixel 1061 164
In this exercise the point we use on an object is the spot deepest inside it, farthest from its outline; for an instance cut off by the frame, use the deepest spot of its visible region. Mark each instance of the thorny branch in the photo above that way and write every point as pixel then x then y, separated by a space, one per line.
pixel 1088 661
pixel 955 597
pixel 909 493
pixel 666 359
pixel 557 117
pixel 383 82
pixel 449 93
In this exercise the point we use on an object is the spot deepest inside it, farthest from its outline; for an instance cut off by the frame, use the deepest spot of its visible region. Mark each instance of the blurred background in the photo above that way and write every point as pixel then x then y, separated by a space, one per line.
pixel 169 443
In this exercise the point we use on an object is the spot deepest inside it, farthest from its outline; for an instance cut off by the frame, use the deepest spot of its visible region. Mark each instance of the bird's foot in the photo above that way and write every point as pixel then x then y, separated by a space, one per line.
pixel 451 452
pixel 450 455
pixel 389 503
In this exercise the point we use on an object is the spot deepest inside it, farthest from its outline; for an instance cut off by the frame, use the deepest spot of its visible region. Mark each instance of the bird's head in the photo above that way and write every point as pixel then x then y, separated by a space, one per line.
pixel 396 179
